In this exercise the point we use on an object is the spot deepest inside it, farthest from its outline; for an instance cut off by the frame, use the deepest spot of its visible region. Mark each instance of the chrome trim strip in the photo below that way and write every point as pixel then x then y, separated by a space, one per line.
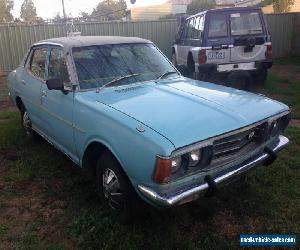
pixel 47 43
pixel 175 199
pixel 210 141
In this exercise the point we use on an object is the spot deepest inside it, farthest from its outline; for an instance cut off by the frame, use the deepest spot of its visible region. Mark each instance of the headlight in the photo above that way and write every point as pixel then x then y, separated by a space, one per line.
pixel 194 157
pixel 175 164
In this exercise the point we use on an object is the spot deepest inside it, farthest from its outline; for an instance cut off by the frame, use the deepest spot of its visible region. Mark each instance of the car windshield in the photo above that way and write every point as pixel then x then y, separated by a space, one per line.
pixel 245 23
pixel 111 65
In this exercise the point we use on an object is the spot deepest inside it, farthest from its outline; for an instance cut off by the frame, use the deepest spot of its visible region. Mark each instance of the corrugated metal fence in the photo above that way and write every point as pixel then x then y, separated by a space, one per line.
pixel 16 39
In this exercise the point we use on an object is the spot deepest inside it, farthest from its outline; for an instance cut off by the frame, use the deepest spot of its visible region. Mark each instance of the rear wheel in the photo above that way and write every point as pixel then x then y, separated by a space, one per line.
pixel 239 80
pixel 114 187
pixel 26 123
pixel 174 60
pixel 260 77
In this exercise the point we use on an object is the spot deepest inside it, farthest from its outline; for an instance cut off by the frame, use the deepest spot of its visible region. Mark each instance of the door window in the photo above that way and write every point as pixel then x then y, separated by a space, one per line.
pixel 198 27
pixel 57 66
pixel 37 63
pixel 217 26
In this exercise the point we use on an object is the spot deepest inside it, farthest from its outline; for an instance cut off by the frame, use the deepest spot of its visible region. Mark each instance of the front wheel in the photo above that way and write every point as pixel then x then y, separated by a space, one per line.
pixel 26 123
pixel 114 187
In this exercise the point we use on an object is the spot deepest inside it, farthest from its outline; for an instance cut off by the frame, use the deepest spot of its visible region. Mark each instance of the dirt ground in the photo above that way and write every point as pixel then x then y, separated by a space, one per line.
pixel 24 206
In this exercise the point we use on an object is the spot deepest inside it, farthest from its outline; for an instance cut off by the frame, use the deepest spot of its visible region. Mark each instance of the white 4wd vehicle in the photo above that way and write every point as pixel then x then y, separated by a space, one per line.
pixel 234 41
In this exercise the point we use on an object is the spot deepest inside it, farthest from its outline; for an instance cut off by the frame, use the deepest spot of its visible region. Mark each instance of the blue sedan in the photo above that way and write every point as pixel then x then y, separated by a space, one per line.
pixel 117 106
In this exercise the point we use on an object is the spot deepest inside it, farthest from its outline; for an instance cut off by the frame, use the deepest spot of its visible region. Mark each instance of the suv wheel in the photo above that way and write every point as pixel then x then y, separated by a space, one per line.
pixel 114 187
pixel 260 76
pixel 174 60
pixel 239 80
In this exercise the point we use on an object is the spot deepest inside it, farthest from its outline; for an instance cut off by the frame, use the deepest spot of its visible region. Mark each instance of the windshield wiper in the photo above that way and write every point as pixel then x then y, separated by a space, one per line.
pixel 166 74
pixel 115 80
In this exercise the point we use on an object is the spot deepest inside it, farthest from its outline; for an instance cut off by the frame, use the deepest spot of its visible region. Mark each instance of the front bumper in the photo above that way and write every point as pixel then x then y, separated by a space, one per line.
pixel 193 192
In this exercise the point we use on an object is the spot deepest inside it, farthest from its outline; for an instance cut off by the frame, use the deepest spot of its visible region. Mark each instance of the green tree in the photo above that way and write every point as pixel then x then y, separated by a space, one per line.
pixel 278 5
pixel 110 10
pixel 200 5
pixel 28 11
pixel 5 10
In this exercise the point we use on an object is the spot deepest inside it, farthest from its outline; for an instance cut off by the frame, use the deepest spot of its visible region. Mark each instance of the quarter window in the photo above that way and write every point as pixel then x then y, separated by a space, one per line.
pixel 217 26
pixel 57 66
pixel 37 64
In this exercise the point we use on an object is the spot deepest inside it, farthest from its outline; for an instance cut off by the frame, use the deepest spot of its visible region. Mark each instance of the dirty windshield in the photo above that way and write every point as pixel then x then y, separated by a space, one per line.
pixel 112 65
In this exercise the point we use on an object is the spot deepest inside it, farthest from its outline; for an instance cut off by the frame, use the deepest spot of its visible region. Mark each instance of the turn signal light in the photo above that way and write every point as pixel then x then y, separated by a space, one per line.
pixel 162 170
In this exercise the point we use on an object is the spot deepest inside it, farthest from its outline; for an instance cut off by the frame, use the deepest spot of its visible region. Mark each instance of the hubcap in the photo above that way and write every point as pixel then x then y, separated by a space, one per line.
pixel 27 123
pixel 111 189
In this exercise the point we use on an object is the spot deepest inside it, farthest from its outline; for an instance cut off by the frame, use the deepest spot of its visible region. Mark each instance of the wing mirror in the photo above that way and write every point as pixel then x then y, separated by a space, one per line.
pixel 55 84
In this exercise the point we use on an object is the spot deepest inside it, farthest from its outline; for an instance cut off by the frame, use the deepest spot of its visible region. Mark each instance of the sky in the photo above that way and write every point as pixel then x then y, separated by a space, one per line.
pixel 49 8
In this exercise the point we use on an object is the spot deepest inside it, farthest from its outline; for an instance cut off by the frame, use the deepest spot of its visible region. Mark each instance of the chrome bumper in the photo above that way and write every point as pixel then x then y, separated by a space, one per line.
pixel 193 192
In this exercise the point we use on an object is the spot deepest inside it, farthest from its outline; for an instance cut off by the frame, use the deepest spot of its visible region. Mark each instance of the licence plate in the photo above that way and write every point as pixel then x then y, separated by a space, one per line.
pixel 216 55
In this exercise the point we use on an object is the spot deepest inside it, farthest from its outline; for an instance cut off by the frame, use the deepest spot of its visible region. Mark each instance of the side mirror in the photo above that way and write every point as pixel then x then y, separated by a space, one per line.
pixel 55 84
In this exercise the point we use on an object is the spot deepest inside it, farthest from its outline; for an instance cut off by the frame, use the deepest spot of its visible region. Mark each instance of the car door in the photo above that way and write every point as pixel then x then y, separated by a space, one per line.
pixel 32 78
pixel 57 105
pixel 248 36
pixel 218 39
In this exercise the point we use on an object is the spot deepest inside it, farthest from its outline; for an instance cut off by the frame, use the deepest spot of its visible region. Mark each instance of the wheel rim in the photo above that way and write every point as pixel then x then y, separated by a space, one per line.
pixel 111 189
pixel 27 123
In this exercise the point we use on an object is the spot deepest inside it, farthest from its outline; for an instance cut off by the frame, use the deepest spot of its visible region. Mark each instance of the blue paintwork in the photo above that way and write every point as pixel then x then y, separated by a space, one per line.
pixel 174 112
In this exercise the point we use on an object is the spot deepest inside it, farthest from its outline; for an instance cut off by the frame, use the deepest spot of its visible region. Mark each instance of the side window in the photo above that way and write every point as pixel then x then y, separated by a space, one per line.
pixel 190 28
pixel 217 26
pixel 198 27
pixel 57 66
pixel 37 62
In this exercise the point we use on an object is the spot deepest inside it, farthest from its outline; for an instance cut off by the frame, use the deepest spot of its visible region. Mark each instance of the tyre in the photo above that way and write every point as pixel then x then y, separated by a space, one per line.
pixel 202 76
pixel 260 77
pixel 239 80
pixel 174 60
pixel 115 188
pixel 26 123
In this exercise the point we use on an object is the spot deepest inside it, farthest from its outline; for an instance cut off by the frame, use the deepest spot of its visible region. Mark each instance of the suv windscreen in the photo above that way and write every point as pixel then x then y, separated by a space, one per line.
pixel 101 64
pixel 245 23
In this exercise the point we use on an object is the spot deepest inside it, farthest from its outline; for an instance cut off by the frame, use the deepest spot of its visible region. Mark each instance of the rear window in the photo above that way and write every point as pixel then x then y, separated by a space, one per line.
pixel 217 26
pixel 245 23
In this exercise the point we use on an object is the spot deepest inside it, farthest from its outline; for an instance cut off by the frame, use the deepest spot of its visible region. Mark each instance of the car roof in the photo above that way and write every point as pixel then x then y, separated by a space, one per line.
pixel 226 9
pixel 80 41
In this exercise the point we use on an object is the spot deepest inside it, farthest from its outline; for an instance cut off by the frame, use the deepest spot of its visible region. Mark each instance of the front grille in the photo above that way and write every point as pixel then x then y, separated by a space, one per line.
pixel 230 148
